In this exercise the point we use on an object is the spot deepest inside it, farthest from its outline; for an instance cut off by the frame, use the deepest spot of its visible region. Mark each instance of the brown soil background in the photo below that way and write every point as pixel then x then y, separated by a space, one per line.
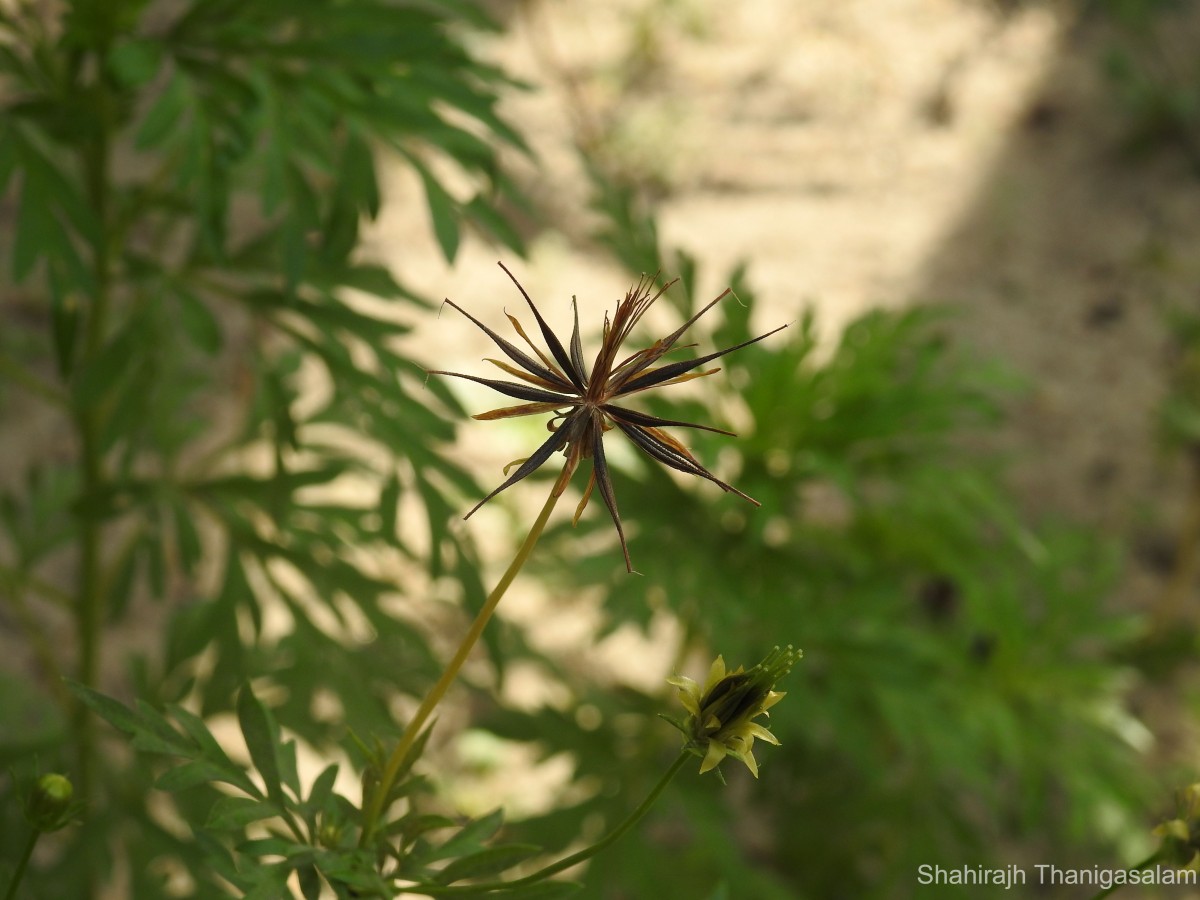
pixel 870 153
pixel 857 154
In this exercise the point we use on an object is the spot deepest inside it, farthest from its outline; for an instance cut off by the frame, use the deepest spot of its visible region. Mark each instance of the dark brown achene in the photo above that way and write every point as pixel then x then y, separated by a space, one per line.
pixel 583 401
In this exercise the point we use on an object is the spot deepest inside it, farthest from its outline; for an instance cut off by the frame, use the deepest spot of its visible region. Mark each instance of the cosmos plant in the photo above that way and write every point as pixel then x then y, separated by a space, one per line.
pixel 584 403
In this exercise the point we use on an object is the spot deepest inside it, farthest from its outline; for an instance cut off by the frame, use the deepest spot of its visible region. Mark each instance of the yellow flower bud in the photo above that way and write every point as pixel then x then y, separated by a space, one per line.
pixel 49 806
pixel 720 715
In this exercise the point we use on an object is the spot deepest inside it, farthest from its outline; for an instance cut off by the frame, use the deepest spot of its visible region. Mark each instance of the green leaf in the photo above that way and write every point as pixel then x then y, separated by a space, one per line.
pixel 491 861
pixel 310 882
pixel 286 757
pixel 33 721
pixel 358 174
pixel 389 507
pixel 64 317
pixel 198 731
pixel 198 321
pixel 162 116
pixel 38 231
pixel 485 215
pixel 196 772
pixel 271 882
pixel 544 890
pixel 235 813
pixel 373 279
pixel 159 732
pixel 116 714
pixel 187 538
pixel 8 156
pixel 322 788
pixel 295 252
pixel 55 186
pixel 135 62
pixel 116 358
pixel 444 212
pixel 156 572
pixel 261 741
pixel 471 836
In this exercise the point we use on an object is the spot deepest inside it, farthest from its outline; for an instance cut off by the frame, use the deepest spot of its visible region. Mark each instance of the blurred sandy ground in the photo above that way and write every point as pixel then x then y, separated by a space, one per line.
pixel 833 147
pixel 868 152
pixel 830 146
pixel 855 154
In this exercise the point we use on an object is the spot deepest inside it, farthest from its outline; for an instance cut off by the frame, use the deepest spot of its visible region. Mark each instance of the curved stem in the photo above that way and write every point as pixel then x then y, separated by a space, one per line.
pixel 18 374
pixel 39 641
pixel 90 599
pixel 20 870
pixel 575 858
pixel 1144 864
pixel 373 805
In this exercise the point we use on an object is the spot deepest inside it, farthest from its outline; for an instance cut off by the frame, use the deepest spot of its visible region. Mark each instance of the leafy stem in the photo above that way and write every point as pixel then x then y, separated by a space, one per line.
pixel 18 374
pixel 39 641
pixel 575 858
pixel 96 163
pixel 373 803
pixel 1146 863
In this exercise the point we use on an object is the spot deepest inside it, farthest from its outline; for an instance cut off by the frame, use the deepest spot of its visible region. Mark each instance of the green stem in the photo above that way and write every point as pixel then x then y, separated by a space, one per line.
pixel 373 804
pixel 18 374
pixel 90 598
pixel 17 579
pixel 21 866
pixel 39 642
pixel 575 858
pixel 1144 864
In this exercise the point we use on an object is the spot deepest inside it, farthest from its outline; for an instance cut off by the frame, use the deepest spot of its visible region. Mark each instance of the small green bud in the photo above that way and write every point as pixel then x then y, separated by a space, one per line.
pixel 329 835
pixel 49 807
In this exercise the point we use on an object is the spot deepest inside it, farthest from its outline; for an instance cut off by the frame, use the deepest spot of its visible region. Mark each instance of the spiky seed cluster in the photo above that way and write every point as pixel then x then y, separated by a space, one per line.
pixel 721 714
pixel 583 401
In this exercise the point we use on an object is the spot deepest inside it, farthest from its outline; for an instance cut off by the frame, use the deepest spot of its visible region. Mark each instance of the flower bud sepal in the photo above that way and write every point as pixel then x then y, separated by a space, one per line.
pixel 720 716
pixel 51 803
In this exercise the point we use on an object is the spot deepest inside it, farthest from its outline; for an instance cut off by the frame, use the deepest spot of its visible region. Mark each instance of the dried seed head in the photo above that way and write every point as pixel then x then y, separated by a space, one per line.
pixel 583 403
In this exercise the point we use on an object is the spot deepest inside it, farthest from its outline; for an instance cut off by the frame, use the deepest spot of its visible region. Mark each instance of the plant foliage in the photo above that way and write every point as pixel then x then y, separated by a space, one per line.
pixel 232 432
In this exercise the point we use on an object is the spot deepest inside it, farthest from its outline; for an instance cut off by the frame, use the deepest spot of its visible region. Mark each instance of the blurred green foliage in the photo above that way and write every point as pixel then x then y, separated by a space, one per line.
pixel 961 695
pixel 1152 65
pixel 184 184
pixel 1179 423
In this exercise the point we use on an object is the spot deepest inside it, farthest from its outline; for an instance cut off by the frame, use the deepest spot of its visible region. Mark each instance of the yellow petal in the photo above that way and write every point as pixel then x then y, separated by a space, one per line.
pixel 525 409
pixel 715 673
pixel 751 763
pixel 772 698
pixel 712 759
pixel 690 693
pixel 684 684
pixel 753 729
